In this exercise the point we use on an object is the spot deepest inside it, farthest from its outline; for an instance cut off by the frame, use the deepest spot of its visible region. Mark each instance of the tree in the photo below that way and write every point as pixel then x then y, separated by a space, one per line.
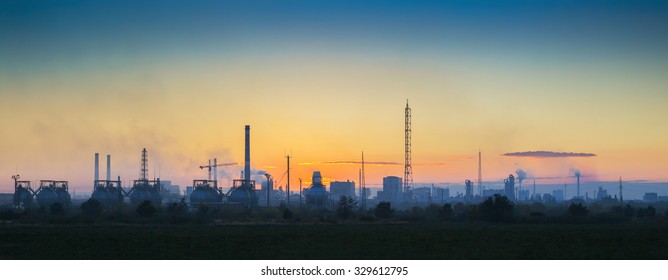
pixel 496 208
pixel 146 209
pixel 92 207
pixel 383 210
pixel 445 212
pixel 177 208
pixel 345 207
pixel 287 214
pixel 577 210
pixel 57 209
pixel 651 211
pixel 629 212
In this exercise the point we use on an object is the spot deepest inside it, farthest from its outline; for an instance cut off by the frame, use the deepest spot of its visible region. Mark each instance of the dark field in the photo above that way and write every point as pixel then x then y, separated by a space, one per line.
pixel 347 241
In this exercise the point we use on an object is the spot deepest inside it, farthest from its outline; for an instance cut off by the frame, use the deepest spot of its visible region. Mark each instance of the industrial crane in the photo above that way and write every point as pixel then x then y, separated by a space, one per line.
pixel 214 165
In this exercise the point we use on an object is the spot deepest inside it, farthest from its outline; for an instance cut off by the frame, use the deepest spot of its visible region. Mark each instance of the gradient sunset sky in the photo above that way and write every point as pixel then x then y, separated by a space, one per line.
pixel 324 80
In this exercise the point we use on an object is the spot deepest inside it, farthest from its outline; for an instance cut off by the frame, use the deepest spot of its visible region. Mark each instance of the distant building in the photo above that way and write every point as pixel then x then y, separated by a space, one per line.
pixel 170 192
pixel 548 198
pixel 602 193
pixel 441 195
pixel 558 195
pixel 492 192
pixel 509 187
pixel 338 189
pixel 392 186
pixel 422 194
pixel 650 197
pixel 523 195
pixel 189 190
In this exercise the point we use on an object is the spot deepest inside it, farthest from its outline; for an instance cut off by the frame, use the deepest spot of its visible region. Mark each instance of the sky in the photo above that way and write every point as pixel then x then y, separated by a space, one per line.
pixel 325 80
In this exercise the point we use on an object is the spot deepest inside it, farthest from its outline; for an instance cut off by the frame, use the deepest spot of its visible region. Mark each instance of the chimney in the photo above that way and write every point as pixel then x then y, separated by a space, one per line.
pixel 97 166
pixel 247 171
pixel 108 167
pixel 578 177
pixel 215 169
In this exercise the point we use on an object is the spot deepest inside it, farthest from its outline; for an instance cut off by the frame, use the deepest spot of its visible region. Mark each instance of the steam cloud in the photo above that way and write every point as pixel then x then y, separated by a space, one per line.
pixel 547 154
pixel 521 174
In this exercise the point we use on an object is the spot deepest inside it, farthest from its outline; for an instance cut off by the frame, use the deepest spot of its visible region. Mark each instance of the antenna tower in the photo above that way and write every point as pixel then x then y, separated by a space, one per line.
pixel 408 168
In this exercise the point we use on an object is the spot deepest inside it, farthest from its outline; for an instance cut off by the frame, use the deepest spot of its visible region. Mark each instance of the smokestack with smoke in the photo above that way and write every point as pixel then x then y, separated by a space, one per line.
pixel 576 173
pixel 521 175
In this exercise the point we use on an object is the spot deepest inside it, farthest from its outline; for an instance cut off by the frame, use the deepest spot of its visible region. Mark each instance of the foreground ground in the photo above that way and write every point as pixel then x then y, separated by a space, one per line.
pixel 348 241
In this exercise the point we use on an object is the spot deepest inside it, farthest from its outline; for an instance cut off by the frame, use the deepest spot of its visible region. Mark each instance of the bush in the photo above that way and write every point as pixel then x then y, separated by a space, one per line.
pixel 57 209
pixel 445 212
pixel 91 208
pixel 383 210
pixel 577 210
pixel 177 208
pixel 146 209
pixel 345 207
pixel 496 208
pixel 287 214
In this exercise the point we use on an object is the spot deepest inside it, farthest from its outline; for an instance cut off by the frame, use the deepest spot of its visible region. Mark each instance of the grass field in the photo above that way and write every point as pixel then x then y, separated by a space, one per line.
pixel 347 241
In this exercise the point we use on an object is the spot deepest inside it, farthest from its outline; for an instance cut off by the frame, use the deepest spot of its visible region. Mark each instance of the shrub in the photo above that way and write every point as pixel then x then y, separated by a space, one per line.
pixel 91 208
pixel 383 210
pixel 496 208
pixel 577 210
pixel 146 209
pixel 345 207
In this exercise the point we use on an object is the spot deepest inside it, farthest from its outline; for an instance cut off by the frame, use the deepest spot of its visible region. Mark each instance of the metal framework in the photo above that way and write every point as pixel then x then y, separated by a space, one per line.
pixel 144 164
pixel 408 168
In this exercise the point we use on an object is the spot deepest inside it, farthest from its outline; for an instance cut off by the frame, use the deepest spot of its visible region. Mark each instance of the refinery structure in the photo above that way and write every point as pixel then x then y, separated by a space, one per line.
pixel 400 191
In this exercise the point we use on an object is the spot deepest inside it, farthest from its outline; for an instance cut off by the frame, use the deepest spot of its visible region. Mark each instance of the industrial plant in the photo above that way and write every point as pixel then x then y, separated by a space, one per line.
pixel 400 191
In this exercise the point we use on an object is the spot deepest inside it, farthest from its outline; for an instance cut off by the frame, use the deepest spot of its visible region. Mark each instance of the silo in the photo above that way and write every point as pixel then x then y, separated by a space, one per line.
pixel 203 192
pixel 23 194
pixel 316 194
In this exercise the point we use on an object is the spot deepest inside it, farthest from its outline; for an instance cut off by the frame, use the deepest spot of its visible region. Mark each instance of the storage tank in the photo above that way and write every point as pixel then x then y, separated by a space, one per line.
pixel 47 196
pixel 205 192
pixel 23 194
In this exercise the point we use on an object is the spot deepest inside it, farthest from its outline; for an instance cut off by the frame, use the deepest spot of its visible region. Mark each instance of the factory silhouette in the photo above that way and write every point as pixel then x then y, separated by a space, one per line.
pixel 400 192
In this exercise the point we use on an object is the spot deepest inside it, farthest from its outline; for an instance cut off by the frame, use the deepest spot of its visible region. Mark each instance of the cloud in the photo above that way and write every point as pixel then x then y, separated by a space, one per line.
pixel 354 162
pixel 547 154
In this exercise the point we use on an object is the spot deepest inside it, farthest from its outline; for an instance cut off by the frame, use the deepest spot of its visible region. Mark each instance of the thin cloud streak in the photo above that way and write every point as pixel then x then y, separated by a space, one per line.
pixel 548 154
pixel 374 163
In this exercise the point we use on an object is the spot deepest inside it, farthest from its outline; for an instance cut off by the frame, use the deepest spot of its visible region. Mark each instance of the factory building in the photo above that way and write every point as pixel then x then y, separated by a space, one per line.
pixel 316 194
pixel 509 187
pixel 650 197
pixel 492 192
pixel 338 189
pixel 523 195
pixel 558 195
pixel 392 187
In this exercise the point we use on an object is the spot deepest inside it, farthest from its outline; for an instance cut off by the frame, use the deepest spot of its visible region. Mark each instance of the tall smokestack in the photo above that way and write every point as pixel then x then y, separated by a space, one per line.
pixel 215 169
pixel 97 166
pixel 108 167
pixel 578 177
pixel 247 171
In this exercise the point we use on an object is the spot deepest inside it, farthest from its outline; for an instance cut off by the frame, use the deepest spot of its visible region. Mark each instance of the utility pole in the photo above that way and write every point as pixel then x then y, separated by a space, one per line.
pixel 288 157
